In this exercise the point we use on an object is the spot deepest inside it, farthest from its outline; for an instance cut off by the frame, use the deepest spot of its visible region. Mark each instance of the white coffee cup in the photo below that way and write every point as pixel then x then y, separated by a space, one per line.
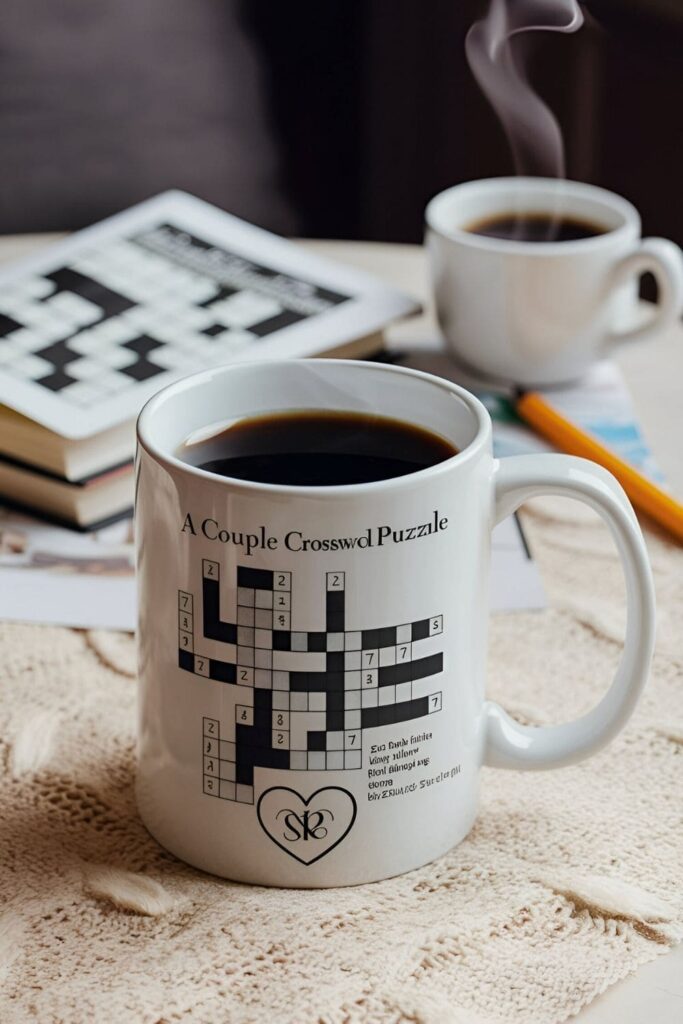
pixel 540 313
pixel 312 659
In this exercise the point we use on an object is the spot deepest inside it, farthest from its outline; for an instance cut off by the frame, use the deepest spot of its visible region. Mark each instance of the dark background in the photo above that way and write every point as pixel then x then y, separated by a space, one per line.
pixel 336 119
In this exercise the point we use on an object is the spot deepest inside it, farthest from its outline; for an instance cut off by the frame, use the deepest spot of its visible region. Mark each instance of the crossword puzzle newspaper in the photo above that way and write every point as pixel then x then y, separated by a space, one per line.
pixel 94 325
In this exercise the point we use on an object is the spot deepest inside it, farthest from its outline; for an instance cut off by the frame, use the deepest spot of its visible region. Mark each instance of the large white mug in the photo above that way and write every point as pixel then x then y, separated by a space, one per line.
pixel 540 313
pixel 312 659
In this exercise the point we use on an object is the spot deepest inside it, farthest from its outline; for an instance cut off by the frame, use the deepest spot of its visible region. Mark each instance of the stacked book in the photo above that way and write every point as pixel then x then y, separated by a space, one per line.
pixel 93 326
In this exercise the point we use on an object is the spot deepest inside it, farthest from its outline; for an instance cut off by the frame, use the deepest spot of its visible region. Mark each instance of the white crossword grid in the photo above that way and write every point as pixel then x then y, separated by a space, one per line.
pixel 303 699
pixel 131 309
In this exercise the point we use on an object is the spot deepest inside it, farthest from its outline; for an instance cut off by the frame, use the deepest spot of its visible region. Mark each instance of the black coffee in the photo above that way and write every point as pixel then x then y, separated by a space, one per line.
pixel 318 449
pixel 535 227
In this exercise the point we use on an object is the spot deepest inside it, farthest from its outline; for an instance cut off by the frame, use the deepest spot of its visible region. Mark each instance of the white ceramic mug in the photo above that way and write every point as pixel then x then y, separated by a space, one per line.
pixel 540 313
pixel 312 660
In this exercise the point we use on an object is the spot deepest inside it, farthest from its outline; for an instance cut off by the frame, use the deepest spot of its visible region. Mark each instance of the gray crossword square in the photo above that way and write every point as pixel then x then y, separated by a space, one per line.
pixel 299 642
pixel 280 680
pixel 298 701
pixel 263 657
pixel 245 655
pixel 335 641
pixel 352 641
pixel 245 616
pixel 335 759
pixel 352 700
pixel 316 701
pixel 264 599
pixel 263 618
pixel 280 700
pixel 245 636
pixel 316 759
pixel 263 638
pixel 298 760
pixel 387 695
pixel 352 680
pixel 335 741
pixel 403 634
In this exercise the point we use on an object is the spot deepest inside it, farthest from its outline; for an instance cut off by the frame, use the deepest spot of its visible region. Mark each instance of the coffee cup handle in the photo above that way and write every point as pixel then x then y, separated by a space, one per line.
pixel 507 743
pixel 664 260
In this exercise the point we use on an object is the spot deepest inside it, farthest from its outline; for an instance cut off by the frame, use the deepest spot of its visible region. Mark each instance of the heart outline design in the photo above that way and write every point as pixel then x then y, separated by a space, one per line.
pixel 306 802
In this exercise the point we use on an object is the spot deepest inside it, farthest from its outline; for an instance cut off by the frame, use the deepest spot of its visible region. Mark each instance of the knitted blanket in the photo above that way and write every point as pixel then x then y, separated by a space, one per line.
pixel 569 881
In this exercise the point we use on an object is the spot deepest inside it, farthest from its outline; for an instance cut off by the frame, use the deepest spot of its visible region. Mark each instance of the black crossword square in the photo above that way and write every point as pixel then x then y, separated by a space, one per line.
pixel 259 579
pixel 282 640
pixel 420 630
pixel 244 774
pixel 186 660
pixel 142 370
pixel 335 721
pixel 263 699
pixel 57 381
pixel 317 740
pixel 263 717
pixel 335 700
pixel 276 323
pixel 317 641
pixel 387 636
pixel 369 718
pixel 335 622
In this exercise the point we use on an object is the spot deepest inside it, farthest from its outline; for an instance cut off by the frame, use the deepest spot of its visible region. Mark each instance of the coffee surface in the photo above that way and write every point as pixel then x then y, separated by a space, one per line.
pixel 317 449
pixel 535 227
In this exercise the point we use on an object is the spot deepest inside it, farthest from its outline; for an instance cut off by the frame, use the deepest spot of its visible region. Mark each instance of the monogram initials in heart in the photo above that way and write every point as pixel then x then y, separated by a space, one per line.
pixel 306 828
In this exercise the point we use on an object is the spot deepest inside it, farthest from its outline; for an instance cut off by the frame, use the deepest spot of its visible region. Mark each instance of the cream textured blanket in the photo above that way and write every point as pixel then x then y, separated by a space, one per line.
pixel 569 880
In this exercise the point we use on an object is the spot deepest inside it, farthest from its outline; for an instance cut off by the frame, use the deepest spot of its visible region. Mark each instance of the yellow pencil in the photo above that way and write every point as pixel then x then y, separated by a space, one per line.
pixel 645 496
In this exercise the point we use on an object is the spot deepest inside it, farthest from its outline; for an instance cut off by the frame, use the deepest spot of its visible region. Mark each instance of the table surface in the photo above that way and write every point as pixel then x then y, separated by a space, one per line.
pixel 653 371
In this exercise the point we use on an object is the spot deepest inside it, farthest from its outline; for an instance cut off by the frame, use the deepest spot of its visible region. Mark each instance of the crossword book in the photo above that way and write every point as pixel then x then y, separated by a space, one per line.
pixel 94 325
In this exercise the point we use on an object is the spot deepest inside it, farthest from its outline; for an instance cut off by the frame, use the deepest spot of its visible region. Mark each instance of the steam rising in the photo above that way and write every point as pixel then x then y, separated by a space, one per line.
pixel 530 126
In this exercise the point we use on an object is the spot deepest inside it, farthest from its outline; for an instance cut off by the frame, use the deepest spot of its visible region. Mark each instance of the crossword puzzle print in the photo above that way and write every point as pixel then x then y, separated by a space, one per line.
pixel 306 698
pixel 127 310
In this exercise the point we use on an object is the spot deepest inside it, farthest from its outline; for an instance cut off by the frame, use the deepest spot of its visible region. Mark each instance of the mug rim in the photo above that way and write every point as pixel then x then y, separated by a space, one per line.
pixel 527 185
pixel 335 491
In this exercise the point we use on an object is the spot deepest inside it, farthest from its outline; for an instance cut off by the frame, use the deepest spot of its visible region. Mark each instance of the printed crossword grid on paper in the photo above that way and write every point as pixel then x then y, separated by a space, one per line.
pixel 130 309
pixel 305 698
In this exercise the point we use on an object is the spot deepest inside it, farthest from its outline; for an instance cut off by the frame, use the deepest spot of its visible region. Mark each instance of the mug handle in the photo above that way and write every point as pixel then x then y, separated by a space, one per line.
pixel 664 260
pixel 511 745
